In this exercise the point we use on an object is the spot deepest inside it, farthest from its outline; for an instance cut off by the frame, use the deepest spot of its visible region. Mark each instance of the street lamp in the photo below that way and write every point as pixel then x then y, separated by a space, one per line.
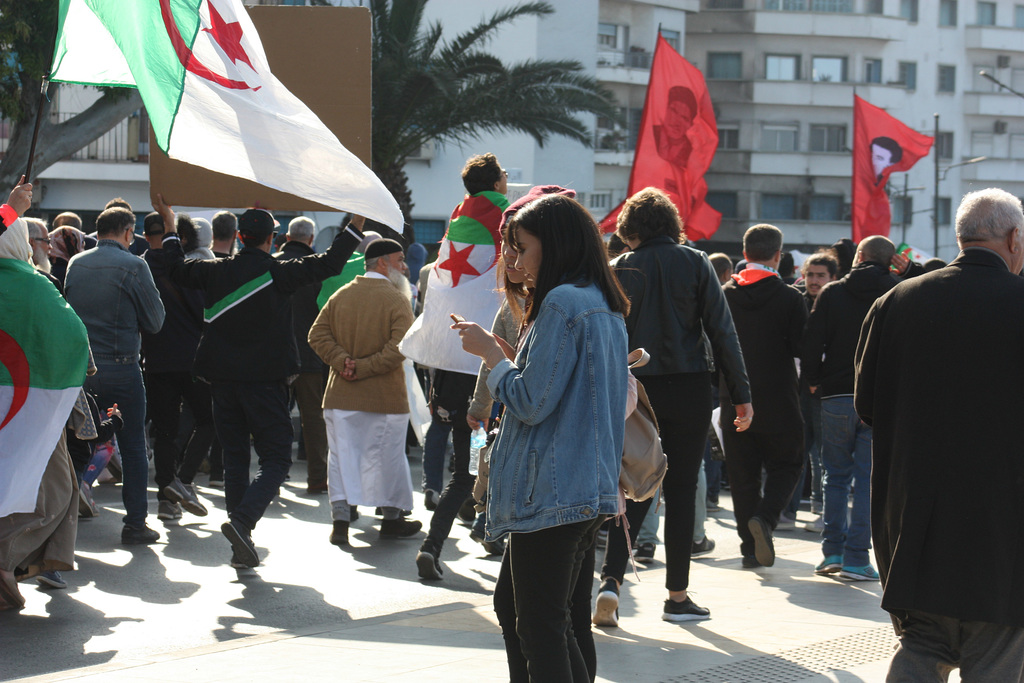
pixel 985 74
pixel 975 160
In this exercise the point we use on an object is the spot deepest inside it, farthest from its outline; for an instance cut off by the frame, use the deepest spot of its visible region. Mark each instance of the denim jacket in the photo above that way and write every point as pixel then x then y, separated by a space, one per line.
pixel 558 452
pixel 113 292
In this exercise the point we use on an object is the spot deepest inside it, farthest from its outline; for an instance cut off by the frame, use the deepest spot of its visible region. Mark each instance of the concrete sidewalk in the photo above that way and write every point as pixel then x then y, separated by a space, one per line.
pixel 772 624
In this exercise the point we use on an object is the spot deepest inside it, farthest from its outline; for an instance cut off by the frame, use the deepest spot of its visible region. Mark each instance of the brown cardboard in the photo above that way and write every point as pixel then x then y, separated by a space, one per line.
pixel 321 54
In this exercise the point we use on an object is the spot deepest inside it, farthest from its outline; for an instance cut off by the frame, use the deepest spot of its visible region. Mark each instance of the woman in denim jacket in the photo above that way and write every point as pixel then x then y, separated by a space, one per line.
pixel 555 463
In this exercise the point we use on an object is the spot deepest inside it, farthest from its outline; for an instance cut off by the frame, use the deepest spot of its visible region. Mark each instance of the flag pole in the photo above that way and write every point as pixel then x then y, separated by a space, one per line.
pixel 35 131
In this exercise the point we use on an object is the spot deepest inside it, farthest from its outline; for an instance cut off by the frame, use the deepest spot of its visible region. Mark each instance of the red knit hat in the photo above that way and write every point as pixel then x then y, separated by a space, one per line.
pixel 536 192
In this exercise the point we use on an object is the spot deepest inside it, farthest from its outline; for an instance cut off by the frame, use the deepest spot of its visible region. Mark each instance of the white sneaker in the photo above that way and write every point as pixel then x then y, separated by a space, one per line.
pixel 606 609
pixel 817 526
pixel 785 522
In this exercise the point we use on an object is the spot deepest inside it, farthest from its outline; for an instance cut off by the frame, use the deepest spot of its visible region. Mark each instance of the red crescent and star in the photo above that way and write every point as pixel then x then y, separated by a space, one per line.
pixel 458 263
pixel 227 35
pixel 12 357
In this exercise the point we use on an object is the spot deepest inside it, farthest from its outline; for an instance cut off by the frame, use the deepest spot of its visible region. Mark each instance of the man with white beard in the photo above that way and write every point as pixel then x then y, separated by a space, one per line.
pixel 39 239
pixel 366 408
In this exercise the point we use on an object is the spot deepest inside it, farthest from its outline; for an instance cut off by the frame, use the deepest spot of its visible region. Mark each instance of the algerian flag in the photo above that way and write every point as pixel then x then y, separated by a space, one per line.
pixel 203 76
pixel 912 253
pixel 355 266
pixel 461 281
pixel 44 350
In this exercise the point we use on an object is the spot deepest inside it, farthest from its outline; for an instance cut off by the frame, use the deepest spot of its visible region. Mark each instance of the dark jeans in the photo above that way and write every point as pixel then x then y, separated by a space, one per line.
pixel 542 600
pixel 746 454
pixel 435 444
pixel 259 409
pixel 810 409
pixel 682 404
pixel 122 384
pixel 459 487
pixel 308 389
pixel 165 392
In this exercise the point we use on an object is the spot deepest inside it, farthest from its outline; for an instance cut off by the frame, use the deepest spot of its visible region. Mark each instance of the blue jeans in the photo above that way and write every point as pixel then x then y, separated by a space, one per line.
pixel 121 383
pixel 846 455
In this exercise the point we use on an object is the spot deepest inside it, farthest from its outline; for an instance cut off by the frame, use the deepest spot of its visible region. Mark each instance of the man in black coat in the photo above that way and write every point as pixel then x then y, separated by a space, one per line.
pixel 769 316
pixel 827 364
pixel 939 377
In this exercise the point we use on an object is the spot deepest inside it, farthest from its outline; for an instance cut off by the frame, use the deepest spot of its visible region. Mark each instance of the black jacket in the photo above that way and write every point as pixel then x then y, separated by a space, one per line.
pixel 770 317
pixel 834 326
pixel 173 348
pixel 678 313
pixel 304 309
pixel 247 329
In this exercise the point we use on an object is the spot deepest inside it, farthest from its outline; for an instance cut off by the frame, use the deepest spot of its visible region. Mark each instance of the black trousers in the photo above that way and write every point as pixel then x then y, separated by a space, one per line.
pixel 781 456
pixel 682 404
pixel 259 409
pixel 165 392
pixel 542 600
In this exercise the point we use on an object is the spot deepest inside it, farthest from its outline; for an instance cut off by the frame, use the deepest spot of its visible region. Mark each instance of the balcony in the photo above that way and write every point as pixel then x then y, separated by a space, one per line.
pixel 631 68
pixel 993 38
pixel 827 94
pixel 127 141
pixel 1001 104
pixel 814 164
pixel 871 27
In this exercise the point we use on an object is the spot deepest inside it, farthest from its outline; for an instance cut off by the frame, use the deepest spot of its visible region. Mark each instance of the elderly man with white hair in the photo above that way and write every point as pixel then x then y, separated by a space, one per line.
pixel 939 371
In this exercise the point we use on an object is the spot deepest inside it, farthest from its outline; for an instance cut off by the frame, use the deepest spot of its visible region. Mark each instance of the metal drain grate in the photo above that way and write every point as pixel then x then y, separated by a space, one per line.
pixel 838 654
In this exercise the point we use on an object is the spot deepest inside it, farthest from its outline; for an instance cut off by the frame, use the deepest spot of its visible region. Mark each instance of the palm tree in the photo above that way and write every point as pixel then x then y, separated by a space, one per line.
pixel 426 88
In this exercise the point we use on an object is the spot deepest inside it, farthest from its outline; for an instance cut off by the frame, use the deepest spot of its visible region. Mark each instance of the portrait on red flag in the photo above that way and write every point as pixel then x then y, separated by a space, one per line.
pixel 882 145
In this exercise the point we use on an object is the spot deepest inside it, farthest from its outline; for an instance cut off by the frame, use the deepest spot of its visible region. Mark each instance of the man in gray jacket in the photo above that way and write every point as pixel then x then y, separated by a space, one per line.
pixel 113 292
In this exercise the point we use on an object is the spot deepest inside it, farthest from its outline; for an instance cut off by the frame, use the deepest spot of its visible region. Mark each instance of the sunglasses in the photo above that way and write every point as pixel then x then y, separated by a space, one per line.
pixel 41 239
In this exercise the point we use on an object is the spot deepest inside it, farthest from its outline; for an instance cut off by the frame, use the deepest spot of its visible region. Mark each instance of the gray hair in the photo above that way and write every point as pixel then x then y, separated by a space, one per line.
pixel 989 214
pixel 301 228
pixel 371 263
pixel 36 227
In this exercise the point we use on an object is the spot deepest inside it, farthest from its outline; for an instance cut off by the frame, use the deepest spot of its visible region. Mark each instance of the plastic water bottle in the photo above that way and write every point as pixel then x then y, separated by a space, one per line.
pixel 476 442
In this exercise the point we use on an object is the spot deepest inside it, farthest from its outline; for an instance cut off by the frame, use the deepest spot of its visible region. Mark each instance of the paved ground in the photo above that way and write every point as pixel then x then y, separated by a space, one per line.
pixel 175 611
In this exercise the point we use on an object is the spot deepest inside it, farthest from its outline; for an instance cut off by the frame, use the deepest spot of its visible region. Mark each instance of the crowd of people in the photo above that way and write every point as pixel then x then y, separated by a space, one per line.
pixel 863 377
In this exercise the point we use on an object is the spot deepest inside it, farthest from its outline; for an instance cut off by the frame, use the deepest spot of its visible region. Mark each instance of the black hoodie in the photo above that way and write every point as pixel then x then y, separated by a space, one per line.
pixel 834 327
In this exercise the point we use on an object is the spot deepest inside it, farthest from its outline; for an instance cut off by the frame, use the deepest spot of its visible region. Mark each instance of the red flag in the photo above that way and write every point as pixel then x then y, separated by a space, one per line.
pixel 678 138
pixel 881 145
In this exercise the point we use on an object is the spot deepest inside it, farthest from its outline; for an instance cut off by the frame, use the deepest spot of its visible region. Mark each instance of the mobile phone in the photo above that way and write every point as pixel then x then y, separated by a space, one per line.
pixel 457 318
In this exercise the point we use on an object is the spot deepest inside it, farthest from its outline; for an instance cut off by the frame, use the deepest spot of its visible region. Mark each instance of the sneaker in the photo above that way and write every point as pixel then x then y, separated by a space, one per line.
pixel 606 608
pixel 644 553
pixel 429 566
pixel 168 511
pixel 185 495
pixel 399 528
pixel 241 543
pixel 786 522
pixel 236 563
pixel 339 534
pixel 492 547
pixel 830 565
pixel 713 507
pixel 817 508
pixel 430 499
pixel 86 505
pixel 143 535
pixel 750 562
pixel 52 579
pixel 703 548
pixel 764 548
pixel 687 610
pixel 216 483
pixel 865 573
pixel 817 526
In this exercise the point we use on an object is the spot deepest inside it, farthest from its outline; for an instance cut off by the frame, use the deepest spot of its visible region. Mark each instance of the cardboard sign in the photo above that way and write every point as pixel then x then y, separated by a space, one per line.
pixel 323 55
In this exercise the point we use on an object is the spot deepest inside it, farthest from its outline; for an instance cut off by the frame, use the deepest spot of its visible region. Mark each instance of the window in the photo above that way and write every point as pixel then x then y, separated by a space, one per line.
pixel 608 36
pixel 902 206
pixel 908 10
pixel 826 207
pixel 728 137
pixel 725 4
pixel 845 6
pixel 947 12
pixel 908 75
pixel 778 206
pixel 782 67
pixel 986 14
pixel 725 64
pixel 982 144
pixel 828 138
pixel 672 38
pixel 723 202
pixel 429 230
pixel 943 210
pixel 1017 78
pixel 779 138
pixel 1018 16
pixel 828 69
pixel 872 70
pixel 600 201
pixel 787 5
pixel 873 6
pixel 947 78
pixel 944 145
pixel 1017 146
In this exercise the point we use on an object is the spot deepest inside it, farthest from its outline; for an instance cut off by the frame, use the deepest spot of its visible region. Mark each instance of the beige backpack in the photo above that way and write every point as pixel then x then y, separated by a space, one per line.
pixel 643 461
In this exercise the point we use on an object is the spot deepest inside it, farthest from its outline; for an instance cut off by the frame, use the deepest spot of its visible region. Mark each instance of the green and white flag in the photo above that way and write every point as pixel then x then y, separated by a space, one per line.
pixel 213 102
pixel 44 350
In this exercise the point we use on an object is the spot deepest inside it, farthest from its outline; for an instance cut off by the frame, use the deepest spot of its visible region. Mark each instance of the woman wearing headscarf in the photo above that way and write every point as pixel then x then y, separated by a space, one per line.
pixel 65 242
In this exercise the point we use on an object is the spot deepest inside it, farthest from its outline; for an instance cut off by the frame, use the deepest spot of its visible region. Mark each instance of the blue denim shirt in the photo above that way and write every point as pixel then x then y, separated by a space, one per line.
pixel 558 452
pixel 113 292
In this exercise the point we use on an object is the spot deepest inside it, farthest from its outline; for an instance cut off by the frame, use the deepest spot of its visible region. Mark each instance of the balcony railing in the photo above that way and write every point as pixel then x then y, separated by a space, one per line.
pixel 127 141
pixel 630 60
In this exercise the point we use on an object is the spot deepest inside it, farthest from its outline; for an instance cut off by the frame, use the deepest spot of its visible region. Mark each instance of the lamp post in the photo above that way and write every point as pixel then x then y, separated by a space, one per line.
pixel 935 197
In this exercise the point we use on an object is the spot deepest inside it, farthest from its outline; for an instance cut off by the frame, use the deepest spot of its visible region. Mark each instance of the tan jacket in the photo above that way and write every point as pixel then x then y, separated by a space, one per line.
pixel 364 320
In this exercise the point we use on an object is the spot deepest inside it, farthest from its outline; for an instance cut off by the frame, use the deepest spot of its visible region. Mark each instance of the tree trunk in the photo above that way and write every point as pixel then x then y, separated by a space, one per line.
pixel 57 141
pixel 394 178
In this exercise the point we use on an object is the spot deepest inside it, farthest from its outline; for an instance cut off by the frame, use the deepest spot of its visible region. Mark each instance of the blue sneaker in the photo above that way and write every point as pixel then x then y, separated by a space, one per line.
pixel 865 573
pixel 830 565
pixel 51 579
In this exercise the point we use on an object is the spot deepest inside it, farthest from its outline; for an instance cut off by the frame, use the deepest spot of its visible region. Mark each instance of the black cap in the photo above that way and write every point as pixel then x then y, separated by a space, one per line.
pixel 381 247
pixel 257 223
pixel 153 224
